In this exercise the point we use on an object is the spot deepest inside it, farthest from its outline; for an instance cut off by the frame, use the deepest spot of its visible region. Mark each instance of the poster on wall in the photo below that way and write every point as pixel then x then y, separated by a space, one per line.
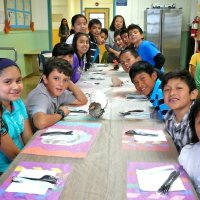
pixel 18 13
pixel 121 2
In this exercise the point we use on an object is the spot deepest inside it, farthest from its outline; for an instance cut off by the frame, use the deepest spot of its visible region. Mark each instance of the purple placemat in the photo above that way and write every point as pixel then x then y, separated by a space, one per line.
pixel 134 192
pixel 62 170
pixel 77 150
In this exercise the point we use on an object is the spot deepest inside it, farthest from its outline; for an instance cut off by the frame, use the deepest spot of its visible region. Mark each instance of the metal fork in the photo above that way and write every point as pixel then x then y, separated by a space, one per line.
pixel 46 178
pixel 166 189
pixel 130 112
pixel 167 184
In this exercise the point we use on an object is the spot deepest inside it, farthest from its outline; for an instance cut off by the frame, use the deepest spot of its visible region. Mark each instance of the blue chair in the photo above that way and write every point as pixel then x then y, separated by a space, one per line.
pixel 42 58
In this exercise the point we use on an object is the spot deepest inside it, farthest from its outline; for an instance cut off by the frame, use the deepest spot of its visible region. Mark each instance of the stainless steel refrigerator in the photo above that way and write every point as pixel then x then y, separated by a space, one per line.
pixel 163 27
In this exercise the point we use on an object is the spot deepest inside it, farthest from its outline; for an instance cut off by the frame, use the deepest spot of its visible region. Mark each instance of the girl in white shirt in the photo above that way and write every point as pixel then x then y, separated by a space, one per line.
pixel 189 157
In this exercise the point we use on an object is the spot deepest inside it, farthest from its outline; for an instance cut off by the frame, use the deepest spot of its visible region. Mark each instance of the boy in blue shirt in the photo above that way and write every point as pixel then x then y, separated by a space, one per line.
pixel 147 50
pixel 147 82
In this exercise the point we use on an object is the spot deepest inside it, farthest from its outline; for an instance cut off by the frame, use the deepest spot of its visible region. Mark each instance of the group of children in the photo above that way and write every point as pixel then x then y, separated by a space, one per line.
pixel 173 95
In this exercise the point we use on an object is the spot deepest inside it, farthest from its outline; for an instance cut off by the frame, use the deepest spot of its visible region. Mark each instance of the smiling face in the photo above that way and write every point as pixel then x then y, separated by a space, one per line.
pixel 82 44
pixel 144 83
pixel 80 25
pixel 11 84
pixel 177 95
pixel 127 60
pixel 56 83
pixel 119 42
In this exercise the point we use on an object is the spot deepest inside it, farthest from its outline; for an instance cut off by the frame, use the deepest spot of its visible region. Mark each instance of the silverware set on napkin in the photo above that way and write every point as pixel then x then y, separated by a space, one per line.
pixel 133 132
pixel 164 189
pixel 131 112
pixel 45 178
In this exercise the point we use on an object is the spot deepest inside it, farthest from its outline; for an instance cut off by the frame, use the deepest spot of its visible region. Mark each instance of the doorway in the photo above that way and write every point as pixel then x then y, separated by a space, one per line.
pixel 101 14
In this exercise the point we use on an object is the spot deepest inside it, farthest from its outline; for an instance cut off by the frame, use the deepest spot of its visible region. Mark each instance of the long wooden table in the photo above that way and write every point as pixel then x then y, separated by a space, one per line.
pixel 102 174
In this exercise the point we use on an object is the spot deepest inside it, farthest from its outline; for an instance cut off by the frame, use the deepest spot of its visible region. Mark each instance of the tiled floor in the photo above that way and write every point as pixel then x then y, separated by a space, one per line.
pixel 29 83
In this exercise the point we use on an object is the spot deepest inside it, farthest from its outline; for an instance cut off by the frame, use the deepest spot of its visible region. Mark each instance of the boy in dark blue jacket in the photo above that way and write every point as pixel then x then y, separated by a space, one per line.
pixel 94 28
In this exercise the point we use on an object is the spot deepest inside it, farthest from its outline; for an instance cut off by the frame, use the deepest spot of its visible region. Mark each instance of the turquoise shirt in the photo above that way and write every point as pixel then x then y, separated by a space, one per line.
pixel 15 122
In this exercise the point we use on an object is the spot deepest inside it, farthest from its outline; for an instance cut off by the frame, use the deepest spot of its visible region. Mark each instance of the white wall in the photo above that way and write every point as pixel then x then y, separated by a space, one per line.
pixel 66 8
pixel 134 11
pixel 40 14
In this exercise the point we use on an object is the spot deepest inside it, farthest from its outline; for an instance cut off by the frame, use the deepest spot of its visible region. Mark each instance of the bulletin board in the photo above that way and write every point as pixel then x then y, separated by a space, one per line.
pixel 18 13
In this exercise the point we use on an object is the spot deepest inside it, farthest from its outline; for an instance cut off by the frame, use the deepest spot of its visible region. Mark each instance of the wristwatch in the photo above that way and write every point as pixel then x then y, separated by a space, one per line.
pixel 61 112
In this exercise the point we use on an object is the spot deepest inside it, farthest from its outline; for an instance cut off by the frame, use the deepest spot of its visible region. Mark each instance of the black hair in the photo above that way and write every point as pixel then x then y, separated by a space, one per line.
pixel 60 64
pixel 62 26
pixel 116 33
pixel 123 31
pixel 139 67
pixel 132 51
pixel 62 49
pixel 76 36
pixel 184 75
pixel 135 26
pixel 104 30
pixel 195 109
pixel 198 45
pixel 73 21
pixel 94 21
pixel 112 26
pixel 6 62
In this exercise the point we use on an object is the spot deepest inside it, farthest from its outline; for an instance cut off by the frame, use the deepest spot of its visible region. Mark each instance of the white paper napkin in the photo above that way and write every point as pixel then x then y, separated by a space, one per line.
pixel 152 179
pixel 139 115
pixel 31 186
pixel 159 138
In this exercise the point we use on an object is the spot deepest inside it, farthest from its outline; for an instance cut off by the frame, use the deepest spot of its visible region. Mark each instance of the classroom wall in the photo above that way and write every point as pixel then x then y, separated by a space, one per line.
pixel 26 40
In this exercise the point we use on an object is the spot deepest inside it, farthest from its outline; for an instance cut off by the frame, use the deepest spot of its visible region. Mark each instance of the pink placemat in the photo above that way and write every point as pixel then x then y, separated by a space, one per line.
pixel 79 149
pixel 62 170
pixel 128 143
pixel 134 192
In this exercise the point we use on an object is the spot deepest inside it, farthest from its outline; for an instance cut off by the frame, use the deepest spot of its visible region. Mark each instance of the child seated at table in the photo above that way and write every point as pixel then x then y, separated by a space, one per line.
pixel 147 82
pixel 128 57
pixel 64 51
pixel 179 91
pixel 47 102
pixel 124 37
pixel 118 40
pixel 189 156
pixel 15 127
pixel 147 50
pixel 81 57
pixel 94 28
pixel 101 39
